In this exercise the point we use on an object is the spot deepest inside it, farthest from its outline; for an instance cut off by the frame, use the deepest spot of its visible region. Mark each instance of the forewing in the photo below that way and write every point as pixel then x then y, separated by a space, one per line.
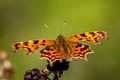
pixel 80 50
pixel 89 36
pixel 32 45
pixel 50 53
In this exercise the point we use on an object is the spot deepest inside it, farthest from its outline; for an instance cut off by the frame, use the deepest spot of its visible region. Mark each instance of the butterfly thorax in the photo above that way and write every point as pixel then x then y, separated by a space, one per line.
pixel 62 46
pixel 60 40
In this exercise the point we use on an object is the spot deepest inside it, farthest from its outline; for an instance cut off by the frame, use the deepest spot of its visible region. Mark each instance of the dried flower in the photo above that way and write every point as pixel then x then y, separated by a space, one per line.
pixel 8 73
pixel 35 74
pixel 6 70
pixel 58 67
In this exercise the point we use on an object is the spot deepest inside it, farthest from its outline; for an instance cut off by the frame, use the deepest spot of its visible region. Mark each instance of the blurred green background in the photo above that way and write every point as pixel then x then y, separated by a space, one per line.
pixel 21 20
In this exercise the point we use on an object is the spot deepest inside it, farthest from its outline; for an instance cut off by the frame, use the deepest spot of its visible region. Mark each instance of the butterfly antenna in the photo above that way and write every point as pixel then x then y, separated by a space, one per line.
pixel 63 27
pixel 46 26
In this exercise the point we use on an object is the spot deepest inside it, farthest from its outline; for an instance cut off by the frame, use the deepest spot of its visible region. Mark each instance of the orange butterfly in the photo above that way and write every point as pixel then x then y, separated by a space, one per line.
pixel 63 48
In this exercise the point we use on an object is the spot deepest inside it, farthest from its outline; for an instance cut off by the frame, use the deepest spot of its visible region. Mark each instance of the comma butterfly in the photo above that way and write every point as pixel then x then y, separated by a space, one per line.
pixel 63 48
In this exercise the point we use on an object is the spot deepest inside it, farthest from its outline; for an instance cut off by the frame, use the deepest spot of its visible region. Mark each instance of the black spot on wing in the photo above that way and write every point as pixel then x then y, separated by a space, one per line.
pixel 54 52
pixel 47 48
pixel 76 47
pixel 36 41
pixel 76 36
pixel 16 45
pixel 51 49
pixel 43 41
pixel 100 32
pixel 80 39
pixel 29 50
pixel 25 43
pixel 83 35
pixel 92 33
pixel 82 49
pixel 47 53
pixel 86 46
pixel 76 50
pixel 78 44
pixel 42 44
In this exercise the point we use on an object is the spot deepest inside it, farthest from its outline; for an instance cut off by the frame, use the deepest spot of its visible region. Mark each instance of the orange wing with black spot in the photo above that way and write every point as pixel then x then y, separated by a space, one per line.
pixel 32 45
pixel 50 53
pixel 89 36
pixel 80 50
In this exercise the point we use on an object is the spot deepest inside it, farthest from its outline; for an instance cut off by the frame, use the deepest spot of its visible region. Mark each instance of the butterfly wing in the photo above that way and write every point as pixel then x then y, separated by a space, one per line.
pixel 50 53
pixel 32 45
pixel 89 36
pixel 80 50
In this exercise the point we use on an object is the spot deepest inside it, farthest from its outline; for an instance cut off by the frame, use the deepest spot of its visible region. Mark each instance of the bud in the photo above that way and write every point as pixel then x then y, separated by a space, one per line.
pixel 3 56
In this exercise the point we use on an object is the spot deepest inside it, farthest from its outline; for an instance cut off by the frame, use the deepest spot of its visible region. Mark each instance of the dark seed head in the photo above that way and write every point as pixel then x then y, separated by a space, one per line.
pixel 33 74
pixel 58 66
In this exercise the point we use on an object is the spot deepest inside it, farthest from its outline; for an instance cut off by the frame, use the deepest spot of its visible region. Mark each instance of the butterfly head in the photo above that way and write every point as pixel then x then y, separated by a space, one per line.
pixel 60 39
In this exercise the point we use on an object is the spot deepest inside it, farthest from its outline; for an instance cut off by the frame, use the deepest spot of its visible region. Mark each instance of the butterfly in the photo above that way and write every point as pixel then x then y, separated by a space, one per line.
pixel 63 48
